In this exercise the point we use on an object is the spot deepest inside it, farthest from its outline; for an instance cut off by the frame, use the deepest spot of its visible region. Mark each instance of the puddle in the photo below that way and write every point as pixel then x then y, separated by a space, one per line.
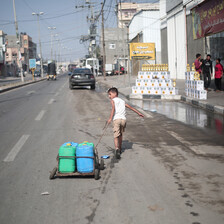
pixel 184 113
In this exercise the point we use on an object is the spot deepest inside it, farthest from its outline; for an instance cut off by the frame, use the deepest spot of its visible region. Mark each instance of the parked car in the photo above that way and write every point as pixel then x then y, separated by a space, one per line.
pixel 18 73
pixel 82 77
pixel 37 73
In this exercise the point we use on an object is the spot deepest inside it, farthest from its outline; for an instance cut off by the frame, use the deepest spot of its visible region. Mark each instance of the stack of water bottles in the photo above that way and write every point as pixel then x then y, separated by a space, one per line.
pixel 194 87
pixel 76 157
pixel 154 80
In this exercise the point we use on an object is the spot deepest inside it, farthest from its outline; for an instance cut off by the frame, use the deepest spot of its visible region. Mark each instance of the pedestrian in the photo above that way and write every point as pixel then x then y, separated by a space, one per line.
pixel 118 115
pixel 198 64
pixel 207 71
pixel 218 75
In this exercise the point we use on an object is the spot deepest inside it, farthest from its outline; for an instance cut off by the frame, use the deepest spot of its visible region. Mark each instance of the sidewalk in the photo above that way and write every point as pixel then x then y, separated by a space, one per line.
pixel 214 102
pixel 9 82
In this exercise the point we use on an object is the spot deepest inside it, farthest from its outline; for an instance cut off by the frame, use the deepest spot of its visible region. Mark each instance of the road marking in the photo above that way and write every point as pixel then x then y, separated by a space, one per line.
pixel 51 101
pixel 40 115
pixel 15 150
pixel 56 94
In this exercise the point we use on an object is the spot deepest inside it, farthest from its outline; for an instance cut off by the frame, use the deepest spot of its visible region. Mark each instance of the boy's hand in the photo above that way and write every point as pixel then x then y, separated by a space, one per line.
pixel 109 121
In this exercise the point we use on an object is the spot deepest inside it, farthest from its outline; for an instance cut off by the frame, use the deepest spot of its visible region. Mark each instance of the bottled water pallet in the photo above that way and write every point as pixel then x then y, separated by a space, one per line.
pixel 154 84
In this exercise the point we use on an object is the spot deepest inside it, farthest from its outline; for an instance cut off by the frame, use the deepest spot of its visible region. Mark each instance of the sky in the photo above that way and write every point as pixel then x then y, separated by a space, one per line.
pixel 66 15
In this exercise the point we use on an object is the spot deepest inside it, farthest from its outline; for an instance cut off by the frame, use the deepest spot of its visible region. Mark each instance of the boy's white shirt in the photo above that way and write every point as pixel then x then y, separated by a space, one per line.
pixel 120 110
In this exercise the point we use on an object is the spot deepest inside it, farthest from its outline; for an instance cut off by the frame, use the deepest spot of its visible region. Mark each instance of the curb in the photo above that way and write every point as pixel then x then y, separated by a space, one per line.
pixel 19 85
pixel 157 97
pixel 204 105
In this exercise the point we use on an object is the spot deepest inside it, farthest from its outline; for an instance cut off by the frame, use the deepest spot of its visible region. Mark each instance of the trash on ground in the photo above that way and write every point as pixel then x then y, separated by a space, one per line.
pixel 155 208
pixel 45 193
pixel 105 157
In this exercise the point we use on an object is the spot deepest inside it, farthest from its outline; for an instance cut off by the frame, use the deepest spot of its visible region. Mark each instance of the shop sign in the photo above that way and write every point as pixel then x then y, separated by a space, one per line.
pixel 145 51
pixel 208 18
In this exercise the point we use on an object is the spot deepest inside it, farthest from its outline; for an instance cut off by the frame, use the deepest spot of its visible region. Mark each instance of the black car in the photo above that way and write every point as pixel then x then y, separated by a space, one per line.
pixel 82 77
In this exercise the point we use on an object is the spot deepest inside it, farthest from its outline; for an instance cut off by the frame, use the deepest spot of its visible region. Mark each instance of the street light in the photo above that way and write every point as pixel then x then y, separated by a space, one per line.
pixel 51 28
pixel 41 60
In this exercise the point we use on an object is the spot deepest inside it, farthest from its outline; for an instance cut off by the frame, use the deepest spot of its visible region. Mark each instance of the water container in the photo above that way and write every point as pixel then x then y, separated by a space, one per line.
pixel 85 165
pixel 67 165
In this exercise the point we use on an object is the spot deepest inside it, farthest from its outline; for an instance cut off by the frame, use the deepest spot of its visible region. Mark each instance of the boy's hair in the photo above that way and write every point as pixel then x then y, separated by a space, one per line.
pixel 218 59
pixel 208 55
pixel 113 90
pixel 198 55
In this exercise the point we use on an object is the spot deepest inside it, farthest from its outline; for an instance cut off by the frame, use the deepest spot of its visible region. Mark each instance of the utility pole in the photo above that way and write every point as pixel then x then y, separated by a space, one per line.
pixel 41 59
pixel 122 35
pixel 18 42
pixel 51 28
pixel 104 54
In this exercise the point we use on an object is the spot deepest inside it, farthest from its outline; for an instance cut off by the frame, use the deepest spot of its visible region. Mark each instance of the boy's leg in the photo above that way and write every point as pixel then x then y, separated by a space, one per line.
pixel 120 141
pixel 116 143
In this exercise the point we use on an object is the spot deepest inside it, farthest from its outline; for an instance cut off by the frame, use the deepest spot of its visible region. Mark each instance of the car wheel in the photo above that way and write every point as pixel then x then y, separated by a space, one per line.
pixel 70 86
pixel 93 86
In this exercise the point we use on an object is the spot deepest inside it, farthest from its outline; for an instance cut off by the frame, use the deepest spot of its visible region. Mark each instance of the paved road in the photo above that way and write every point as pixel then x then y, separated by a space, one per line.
pixel 169 173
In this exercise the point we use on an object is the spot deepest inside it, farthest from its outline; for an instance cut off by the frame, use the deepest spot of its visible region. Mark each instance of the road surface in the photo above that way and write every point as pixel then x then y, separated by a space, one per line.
pixel 169 173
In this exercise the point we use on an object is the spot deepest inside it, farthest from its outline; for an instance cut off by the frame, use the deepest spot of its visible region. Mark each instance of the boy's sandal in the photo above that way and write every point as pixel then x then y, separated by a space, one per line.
pixel 117 154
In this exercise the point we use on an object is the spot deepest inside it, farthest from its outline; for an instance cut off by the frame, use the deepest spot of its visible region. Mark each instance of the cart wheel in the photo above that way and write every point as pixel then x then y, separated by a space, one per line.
pixel 97 174
pixel 101 164
pixel 53 172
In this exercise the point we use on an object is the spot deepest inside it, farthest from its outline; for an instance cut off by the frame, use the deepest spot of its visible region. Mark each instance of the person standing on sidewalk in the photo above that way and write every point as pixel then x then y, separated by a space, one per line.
pixel 198 64
pixel 218 75
pixel 207 71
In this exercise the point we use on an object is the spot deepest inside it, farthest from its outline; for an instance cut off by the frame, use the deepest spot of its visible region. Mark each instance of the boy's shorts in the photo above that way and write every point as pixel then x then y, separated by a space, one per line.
pixel 119 127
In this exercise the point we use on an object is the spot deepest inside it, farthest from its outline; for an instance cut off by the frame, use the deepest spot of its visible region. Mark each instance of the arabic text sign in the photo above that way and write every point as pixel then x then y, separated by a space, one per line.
pixel 142 51
pixel 208 18
pixel 32 63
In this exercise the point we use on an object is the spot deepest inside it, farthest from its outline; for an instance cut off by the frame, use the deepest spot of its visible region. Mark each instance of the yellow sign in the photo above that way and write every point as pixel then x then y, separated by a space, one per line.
pixel 142 51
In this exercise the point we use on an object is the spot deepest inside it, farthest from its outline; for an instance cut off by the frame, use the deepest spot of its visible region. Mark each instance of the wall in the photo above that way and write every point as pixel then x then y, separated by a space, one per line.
pixel 171 4
pixel 164 47
pixel 176 39
pixel 216 46
pixel 114 36
pixel 147 23
pixel 193 46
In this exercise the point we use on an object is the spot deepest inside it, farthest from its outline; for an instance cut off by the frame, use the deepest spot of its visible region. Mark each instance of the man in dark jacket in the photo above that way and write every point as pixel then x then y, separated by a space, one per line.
pixel 207 71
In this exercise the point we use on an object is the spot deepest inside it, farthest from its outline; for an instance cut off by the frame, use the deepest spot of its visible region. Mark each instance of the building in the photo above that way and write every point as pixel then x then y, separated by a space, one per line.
pixel 144 27
pixel 116 47
pixel 179 44
pixel 27 50
pixel 127 10
pixel 2 53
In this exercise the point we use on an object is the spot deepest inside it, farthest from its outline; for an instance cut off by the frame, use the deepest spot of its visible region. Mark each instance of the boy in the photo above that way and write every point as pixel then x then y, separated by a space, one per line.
pixel 198 64
pixel 207 71
pixel 118 115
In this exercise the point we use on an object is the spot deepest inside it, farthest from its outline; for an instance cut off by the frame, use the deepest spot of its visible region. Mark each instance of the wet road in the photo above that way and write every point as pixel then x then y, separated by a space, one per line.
pixel 170 172
pixel 183 112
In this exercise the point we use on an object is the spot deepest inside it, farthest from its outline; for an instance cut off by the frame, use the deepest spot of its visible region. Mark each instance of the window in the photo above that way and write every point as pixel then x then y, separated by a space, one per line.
pixel 126 14
pixel 14 54
pixel 112 46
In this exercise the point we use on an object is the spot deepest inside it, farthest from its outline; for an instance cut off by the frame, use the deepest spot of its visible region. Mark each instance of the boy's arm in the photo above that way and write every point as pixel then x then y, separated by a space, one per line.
pixel 112 112
pixel 133 109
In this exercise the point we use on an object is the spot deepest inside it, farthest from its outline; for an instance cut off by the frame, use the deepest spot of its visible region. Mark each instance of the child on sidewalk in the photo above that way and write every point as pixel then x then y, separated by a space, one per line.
pixel 118 115
pixel 218 75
